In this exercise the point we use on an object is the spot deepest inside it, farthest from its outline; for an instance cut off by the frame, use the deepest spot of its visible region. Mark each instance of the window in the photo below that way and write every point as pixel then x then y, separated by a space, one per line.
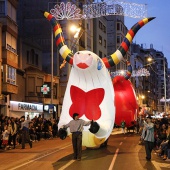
pixel 2 8
pixel 100 25
pixel 11 42
pixel 36 59
pixel 118 39
pixel 105 43
pixel 87 26
pixel 118 26
pixel 11 11
pixel 11 75
pixel 28 56
pixel 100 54
pixel 104 29
pixel 100 39
pixel 32 56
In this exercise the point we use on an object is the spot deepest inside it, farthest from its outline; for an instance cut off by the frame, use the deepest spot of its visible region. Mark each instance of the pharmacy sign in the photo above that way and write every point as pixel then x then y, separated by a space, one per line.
pixel 45 89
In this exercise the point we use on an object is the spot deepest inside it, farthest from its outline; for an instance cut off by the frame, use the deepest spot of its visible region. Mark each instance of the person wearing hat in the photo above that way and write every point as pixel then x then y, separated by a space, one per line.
pixel 25 132
pixel 148 137
pixel 76 128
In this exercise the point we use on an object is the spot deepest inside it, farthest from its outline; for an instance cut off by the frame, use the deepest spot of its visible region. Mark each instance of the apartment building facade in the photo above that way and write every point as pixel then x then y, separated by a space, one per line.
pixel 8 53
pixel 21 64
pixel 154 86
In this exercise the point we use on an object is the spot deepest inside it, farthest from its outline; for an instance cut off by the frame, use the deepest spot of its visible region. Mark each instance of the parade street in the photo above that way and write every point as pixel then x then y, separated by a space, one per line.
pixel 122 152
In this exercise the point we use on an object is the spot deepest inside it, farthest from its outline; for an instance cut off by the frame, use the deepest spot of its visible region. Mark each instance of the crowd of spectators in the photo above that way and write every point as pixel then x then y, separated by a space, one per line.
pixel 39 129
pixel 161 136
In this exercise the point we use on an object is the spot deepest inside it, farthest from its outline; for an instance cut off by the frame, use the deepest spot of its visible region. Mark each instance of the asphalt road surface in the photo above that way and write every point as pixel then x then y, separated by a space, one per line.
pixel 121 153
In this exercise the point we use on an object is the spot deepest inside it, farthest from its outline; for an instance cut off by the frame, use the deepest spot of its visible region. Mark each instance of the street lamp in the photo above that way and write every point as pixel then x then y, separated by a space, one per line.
pixel 76 30
pixel 140 103
pixel 151 59
pixel 142 97
pixel 77 35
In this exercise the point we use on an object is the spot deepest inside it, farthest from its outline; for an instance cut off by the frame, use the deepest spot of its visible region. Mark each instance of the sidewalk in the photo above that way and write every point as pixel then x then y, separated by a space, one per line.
pixel 116 131
pixel 119 131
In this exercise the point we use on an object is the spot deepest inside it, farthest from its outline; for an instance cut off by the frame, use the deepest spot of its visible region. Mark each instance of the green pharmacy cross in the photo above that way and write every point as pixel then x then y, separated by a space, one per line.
pixel 45 89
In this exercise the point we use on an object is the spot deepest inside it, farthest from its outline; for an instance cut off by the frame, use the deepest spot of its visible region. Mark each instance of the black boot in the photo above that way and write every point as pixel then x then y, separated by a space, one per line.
pixel 30 144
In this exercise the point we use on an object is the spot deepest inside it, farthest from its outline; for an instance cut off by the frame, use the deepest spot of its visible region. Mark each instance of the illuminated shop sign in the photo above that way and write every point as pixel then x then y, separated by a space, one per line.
pixel 45 89
pixel 22 106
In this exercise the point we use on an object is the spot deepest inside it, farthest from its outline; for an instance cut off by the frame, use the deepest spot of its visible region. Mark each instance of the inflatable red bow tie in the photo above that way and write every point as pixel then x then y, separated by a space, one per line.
pixel 86 103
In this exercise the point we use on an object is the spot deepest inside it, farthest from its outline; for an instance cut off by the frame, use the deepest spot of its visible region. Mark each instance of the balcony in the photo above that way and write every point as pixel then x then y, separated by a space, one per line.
pixel 8 88
pixel 9 25
pixel 47 78
pixel 34 97
pixel 9 57
pixel 48 101
pixel 39 97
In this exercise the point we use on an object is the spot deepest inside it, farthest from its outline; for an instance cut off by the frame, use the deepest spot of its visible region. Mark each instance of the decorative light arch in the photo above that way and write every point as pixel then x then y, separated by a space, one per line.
pixel 115 7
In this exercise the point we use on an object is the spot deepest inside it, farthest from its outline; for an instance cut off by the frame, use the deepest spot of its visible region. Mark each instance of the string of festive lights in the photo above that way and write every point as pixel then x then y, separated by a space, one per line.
pixel 115 7
pixel 135 73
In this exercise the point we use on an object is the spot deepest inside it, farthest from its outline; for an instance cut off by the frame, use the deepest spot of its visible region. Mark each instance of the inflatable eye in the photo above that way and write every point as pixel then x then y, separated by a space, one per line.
pixel 99 64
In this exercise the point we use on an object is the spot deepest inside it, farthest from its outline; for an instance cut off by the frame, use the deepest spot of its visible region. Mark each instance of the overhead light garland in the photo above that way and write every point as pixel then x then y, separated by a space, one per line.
pixel 135 73
pixel 115 7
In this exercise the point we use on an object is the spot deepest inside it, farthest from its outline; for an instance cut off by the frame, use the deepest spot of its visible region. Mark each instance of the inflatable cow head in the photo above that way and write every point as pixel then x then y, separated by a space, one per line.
pixel 89 89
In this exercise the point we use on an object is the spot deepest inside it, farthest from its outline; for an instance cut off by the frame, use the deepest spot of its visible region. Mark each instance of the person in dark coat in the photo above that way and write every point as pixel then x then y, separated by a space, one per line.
pixel 76 128
pixel 25 132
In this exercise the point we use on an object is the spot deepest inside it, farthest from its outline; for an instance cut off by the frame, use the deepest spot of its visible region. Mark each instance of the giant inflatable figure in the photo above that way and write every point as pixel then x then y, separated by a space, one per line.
pixel 124 92
pixel 89 90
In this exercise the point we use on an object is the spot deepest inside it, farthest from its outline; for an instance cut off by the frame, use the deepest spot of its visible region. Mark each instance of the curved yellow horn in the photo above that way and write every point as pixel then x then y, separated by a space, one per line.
pixel 64 51
pixel 116 57
pixel 129 70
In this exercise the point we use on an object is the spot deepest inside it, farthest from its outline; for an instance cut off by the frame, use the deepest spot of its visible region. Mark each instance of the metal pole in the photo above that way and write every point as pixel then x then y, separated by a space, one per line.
pixel 52 67
pixel 164 86
pixel 51 102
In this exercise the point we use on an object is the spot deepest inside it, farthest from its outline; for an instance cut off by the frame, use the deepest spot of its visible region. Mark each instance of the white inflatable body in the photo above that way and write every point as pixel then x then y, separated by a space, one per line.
pixel 89 90
pixel 93 78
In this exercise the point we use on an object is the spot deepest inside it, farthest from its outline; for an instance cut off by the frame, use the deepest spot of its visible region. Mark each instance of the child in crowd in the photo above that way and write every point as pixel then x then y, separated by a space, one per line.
pixel 5 137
